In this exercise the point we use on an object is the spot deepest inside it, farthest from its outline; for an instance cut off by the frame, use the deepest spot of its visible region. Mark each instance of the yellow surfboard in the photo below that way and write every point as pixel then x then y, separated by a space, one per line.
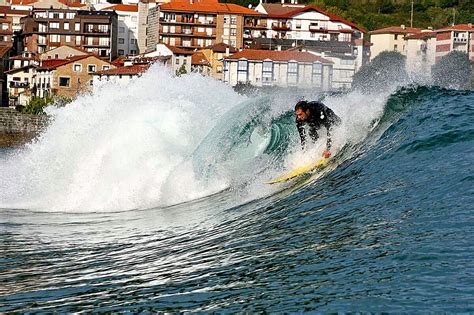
pixel 299 171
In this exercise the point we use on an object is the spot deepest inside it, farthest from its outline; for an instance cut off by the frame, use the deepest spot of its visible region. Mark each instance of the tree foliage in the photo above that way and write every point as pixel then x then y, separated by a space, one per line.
pixel 452 71
pixel 382 73
pixel 36 105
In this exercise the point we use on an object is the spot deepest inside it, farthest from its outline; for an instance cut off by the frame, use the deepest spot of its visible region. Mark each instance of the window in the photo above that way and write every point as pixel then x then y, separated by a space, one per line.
pixel 267 72
pixel 226 32
pixel 105 67
pixel 54 38
pixel 66 25
pixel 226 19
pixel 185 61
pixel 292 72
pixel 132 41
pixel 103 28
pixel 396 36
pixel 233 43
pixel 77 27
pixel 242 65
pixel 121 41
pixel 317 74
pixel 177 61
pixel 78 40
pixel 121 52
pixel 395 47
pixel 64 81
pixel 121 29
pixel 233 20
pixel 70 15
pixel 91 82
pixel 233 32
pixel 104 41
pixel 77 67
pixel 91 68
pixel 53 25
pixel 68 38
pixel 133 52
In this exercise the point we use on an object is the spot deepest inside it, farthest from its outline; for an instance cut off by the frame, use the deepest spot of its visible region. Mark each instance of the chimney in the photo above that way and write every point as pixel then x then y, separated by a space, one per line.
pixel 402 26
pixel 227 51
pixel 469 25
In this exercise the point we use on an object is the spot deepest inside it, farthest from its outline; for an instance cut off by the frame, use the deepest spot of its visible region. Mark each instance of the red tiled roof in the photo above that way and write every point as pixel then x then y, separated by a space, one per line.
pixel 457 27
pixel 123 7
pixel 50 64
pixel 134 69
pixel 176 50
pixel 277 10
pixel 421 35
pixel 4 50
pixel 286 55
pixel 221 47
pixel 9 11
pixel 69 3
pixel 198 58
pixel 207 6
pixel 396 30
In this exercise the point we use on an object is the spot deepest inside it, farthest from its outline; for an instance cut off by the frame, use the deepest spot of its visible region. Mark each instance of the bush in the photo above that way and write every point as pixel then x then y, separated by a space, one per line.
pixel 36 105
pixel 452 71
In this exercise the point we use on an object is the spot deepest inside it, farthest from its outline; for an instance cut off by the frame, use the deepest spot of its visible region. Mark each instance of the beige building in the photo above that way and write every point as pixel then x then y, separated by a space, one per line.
pixel 216 54
pixel 62 52
pixel 278 68
pixel 70 77
pixel 390 39
pixel 200 64
pixel 20 83
pixel 179 58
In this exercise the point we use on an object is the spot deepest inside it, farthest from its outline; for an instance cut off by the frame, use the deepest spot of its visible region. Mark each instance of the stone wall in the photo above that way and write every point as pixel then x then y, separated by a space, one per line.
pixel 12 122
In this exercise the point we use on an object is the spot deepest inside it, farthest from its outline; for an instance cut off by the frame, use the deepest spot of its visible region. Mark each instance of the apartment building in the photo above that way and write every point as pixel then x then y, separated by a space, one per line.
pixel 390 39
pixel 92 31
pixel 215 54
pixel 278 68
pixel 47 4
pixel 420 51
pixel 295 22
pixel 127 36
pixel 6 30
pixel 205 23
pixel 176 58
pixel 15 16
pixel 455 38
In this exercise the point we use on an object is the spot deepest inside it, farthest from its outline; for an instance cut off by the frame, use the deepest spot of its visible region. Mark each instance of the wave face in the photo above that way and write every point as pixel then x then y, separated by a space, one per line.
pixel 388 227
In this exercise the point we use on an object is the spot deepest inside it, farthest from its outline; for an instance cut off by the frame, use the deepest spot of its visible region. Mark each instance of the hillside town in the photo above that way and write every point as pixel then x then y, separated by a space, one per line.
pixel 66 47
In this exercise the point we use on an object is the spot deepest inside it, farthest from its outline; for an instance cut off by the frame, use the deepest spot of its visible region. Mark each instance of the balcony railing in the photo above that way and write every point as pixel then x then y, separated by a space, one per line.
pixel 18 84
pixel 460 40
pixel 281 27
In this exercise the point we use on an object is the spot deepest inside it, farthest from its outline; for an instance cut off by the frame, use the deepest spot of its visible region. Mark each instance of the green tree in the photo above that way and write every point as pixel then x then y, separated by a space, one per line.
pixel 387 69
pixel 36 105
pixel 452 71
pixel 181 70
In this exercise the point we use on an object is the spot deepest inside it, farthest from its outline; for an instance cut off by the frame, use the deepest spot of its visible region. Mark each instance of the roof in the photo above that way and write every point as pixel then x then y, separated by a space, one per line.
pixel 4 50
pixel 222 47
pixel 207 6
pixel 457 27
pixel 421 35
pixel 69 3
pixel 277 10
pixel 176 50
pixel 286 55
pixel 127 70
pixel 198 58
pixel 20 69
pixel 123 7
pixel 8 10
pixel 396 30
pixel 51 64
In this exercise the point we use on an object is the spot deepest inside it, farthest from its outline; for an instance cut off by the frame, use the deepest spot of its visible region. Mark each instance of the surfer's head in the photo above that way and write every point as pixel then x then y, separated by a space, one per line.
pixel 302 111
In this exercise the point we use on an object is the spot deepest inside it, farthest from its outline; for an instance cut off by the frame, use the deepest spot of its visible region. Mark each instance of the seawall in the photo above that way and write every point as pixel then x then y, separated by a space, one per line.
pixel 17 128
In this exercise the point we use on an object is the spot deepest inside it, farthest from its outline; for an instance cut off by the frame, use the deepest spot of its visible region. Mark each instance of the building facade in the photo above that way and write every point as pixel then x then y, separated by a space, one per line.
pixel 390 39
pixel 92 31
pixel 278 68
pixel 216 54
pixel 179 59
pixel 455 38
pixel 420 52
pixel 127 37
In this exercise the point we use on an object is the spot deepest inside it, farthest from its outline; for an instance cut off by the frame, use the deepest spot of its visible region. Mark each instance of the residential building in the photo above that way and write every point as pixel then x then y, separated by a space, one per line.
pixel 62 52
pixel 6 30
pixel 19 82
pixel 92 31
pixel 455 38
pixel 390 39
pixel 420 50
pixel 278 68
pixel 179 58
pixel 15 16
pixel 127 36
pixel 205 23
pixel 215 54
pixel 200 64
pixel 121 75
pixel 47 4
pixel 4 60
pixel 297 22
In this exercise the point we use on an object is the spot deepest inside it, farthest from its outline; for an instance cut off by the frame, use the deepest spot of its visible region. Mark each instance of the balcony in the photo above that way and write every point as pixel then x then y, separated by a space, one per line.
pixel 316 28
pixel 460 40
pixel 255 25
pixel 280 27
pixel 19 85
pixel 187 22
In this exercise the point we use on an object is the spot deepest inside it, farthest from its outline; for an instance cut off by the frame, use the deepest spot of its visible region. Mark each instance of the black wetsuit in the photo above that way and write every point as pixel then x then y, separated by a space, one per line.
pixel 320 115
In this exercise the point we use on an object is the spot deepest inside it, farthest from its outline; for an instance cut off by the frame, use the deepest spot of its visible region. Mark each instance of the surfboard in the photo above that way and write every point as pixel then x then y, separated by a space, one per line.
pixel 299 171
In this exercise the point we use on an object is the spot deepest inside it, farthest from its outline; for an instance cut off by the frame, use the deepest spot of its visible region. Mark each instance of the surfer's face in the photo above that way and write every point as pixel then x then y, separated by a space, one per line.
pixel 301 115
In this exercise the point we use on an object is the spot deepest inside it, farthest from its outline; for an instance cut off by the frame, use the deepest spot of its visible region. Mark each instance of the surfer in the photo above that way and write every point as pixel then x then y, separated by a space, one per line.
pixel 315 114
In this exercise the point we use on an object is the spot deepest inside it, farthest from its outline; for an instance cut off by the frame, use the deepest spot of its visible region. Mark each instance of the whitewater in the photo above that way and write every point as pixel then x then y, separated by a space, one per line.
pixel 152 197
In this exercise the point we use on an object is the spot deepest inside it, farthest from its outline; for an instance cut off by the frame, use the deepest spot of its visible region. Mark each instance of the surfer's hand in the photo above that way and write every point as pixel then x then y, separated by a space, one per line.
pixel 326 154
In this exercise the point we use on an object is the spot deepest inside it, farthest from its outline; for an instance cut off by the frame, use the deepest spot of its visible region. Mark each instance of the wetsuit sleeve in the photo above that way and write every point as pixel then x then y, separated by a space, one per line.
pixel 331 120
pixel 302 133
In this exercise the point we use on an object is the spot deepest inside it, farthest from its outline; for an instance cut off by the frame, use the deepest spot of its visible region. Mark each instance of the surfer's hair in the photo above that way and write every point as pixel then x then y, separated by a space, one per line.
pixel 303 105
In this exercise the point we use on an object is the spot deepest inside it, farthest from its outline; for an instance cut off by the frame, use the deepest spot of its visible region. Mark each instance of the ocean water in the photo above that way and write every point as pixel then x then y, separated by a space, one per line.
pixel 152 197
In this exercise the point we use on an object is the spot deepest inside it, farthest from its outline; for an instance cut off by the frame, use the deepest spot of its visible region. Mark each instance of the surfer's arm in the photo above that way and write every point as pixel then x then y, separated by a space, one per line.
pixel 302 133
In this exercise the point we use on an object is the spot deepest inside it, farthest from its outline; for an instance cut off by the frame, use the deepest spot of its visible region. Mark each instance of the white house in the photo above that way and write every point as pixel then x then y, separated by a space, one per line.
pixel 306 22
pixel 390 39
pixel 127 37
pixel 420 50
pixel 278 68
pixel 179 57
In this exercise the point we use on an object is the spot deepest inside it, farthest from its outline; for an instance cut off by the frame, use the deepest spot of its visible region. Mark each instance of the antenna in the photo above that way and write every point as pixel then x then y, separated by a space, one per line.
pixel 411 16
pixel 454 16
